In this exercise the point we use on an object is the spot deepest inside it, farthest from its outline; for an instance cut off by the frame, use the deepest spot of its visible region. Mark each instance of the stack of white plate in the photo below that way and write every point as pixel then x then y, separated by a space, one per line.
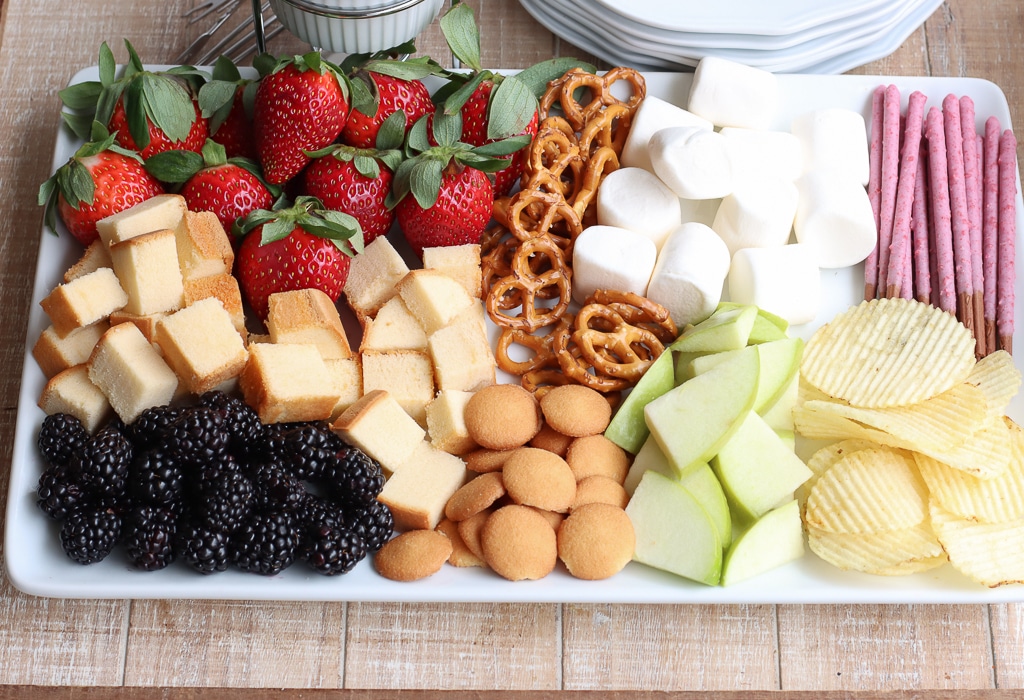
pixel 782 36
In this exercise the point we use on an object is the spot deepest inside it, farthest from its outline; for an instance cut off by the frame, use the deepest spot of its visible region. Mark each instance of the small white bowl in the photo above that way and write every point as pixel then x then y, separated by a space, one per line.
pixel 356 26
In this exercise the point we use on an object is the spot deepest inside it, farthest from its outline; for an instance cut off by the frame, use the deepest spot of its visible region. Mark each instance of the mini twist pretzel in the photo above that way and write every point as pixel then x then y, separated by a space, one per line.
pixel 608 128
pixel 528 286
pixel 576 367
pixel 532 213
pixel 554 162
pixel 638 311
pixel 599 92
pixel 614 347
pixel 603 162
pixel 539 345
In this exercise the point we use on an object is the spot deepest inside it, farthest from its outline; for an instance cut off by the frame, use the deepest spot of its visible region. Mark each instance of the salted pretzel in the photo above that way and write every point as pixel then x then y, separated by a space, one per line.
pixel 554 162
pixel 533 213
pixel 541 357
pixel 608 128
pixel 598 90
pixel 603 162
pixel 614 347
pixel 577 368
pixel 638 311
pixel 528 287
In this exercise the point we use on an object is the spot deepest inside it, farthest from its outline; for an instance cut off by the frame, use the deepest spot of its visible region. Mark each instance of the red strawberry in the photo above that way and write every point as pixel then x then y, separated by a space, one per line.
pixel 99 180
pixel 301 247
pixel 301 105
pixel 158 141
pixel 222 100
pixel 389 94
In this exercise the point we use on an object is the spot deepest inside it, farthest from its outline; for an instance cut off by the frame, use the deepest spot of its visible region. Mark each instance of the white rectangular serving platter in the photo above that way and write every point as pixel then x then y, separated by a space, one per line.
pixel 36 564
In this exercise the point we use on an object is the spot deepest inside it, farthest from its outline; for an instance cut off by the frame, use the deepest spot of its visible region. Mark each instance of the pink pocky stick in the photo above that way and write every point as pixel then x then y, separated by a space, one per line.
pixel 890 178
pixel 990 225
pixel 1007 239
pixel 919 229
pixel 898 280
pixel 874 187
pixel 938 175
pixel 958 211
pixel 972 191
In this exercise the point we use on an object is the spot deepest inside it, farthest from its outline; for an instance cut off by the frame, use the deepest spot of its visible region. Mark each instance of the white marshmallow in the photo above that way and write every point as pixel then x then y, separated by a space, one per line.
pixel 758 214
pixel 690 273
pixel 693 162
pixel 760 153
pixel 637 200
pixel 606 257
pixel 652 115
pixel 732 94
pixel 834 218
pixel 834 139
pixel 700 210
pixel 783 280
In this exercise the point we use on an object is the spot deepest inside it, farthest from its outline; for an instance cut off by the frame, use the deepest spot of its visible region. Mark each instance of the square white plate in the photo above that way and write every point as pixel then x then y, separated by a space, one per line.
pixel 36 564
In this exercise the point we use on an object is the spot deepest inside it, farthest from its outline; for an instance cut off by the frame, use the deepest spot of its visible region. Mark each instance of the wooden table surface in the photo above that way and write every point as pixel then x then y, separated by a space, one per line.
pixel 954 650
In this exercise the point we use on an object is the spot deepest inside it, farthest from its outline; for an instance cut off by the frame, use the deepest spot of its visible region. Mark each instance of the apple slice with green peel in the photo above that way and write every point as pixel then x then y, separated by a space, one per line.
pixel 756 469
pixel 725 330
pixel 649 458
pixel 764 331
pixel 683 364
pixel 703 485
pixel 693 421
pixel 780 415
pixel 779 363
pixel 777 538
pixel 673 531
pixel 777 321
pixel 628 429
pixel 788 438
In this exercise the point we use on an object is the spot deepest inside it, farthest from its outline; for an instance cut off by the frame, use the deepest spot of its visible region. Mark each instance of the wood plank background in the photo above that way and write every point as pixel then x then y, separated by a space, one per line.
pixel 950 650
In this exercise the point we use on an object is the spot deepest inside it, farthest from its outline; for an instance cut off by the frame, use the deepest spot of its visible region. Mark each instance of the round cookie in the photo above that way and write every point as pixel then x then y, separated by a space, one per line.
pixel 551 440
pixel 518 543
pixel 484 460
pixel 599 489
pixel 502 416
pixel 576 410
pixel 469 531
pixel 596 541
pixel 597 455
pixel 475 496
pixel 413 555
pixel 462 556
pixel 554 519
pixel 535 477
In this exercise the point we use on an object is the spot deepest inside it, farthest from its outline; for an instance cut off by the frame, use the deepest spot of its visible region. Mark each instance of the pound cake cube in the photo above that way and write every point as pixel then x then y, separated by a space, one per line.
pixel 130 372
pixel 164 211
pixel 378 426
pixel 144 322
pixel 71 392
pixel 201 345
pixel 372 277
pixel 462 356
pixel 95 256
pixel 460 262
pixel 393 328
pixel 54 354
pixel 407 375
pixel 308 316
pixel 446 422
pixel 287 383
pixel 223 287
pixel 347 376
pixel 204 248
pixel 84 301
pixel 147 266
pixel 433 298
pixel 417 493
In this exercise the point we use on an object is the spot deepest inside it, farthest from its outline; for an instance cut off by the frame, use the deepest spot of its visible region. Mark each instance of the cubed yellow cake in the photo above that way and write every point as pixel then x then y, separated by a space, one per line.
pixel 55 354
pixel 378 426
pixel 407 375
pixel 287 382
pixel 84 300
pixel 95 256
pixel 308 316
pixel 144 322
pixel 147 267
pixel 130 372
pixel 417 493
pixel 165 211
pixel 460 262
pixel 462 356
pixel 222 287
pixel 201 345
pixel 433 298
pixel 71 392
pixel 446 422
pixel 372 277
pixel 347 376
pixel 204 248
pixel 393 328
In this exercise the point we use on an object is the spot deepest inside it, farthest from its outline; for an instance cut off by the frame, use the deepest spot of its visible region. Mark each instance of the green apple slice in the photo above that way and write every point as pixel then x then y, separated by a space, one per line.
pixel 693 421
pixel 764 331
pixel 673 531
pixel 757 470
pixel 776 539
pixel 703 485
pixel 780 415
pixel 649 458
pixel 628 429
pixel 779 360
pixel 777 321
pixel 724 330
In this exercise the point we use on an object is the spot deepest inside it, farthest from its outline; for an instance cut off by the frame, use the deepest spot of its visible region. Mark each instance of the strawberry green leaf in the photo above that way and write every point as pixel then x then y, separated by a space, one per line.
pixel 99 137
pixel 460 31
pixel 213 154
pixel 47 198
pixel 367 166
pixel 215 95
pixel 265 64
pixel 108 100
pixel 134 66
pixel 174 166
pixel 391 158
pixel 276 230
pixel 190 75
pixel 504 147
pixel 313 61
pixel 453 104
pixel 78 123
pixel 47 190
pixel 81 96
pixel 76 184
pixel 483 163
pixel 169 106
pixel 107 65
pixel 225 69
pixel 411 69
pixel 537 76
pixel 135 112
pixel 511 108
pixel 447 128
pixel 425 181
pixel 400 183
pixel 364 95
pixel 392 131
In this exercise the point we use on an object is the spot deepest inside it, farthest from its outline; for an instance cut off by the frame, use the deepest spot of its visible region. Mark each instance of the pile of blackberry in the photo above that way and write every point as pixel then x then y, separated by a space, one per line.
pixel 213 487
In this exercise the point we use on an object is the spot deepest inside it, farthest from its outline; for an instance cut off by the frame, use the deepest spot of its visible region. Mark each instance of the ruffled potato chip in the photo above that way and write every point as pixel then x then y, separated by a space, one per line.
pixel 892 553
pixel 991 554
pixel 823 459
pixel 998 380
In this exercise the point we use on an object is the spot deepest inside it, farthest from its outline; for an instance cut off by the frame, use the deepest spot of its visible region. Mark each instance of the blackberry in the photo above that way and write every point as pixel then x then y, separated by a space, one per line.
pixel 227 502
pixel 266 544
pixel 333 550
pixel 355 480
pixel 153 426
pixel 149 537
pixel 58 492
pixel 245 431
pixel 102 464
pixel 373 523
pixel 315 511
pixel 276 488
pixel 88 535
pixel 310 449
pixel 156 477
pixel 60 436
pixel 198 436
pixel 202 547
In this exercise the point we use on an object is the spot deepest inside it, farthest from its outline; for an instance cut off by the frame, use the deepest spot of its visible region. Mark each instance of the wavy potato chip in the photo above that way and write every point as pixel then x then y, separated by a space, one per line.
pixel 892 553
pixel 991 554
pixel 888 352
pixel 868 491
pixel 823 459
pixel 998 380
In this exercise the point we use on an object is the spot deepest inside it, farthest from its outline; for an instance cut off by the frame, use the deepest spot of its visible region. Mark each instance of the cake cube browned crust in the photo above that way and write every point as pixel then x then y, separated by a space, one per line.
pixel 147 267
pixel 287 382
pixel 201 345
pixel 84 301
pixel 308 316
